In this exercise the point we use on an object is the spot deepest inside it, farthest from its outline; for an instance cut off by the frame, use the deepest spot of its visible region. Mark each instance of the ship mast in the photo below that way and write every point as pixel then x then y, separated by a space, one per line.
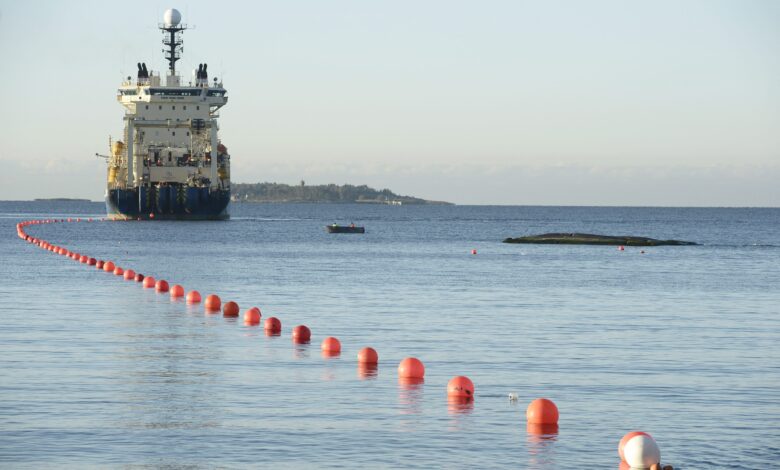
pixel 172 29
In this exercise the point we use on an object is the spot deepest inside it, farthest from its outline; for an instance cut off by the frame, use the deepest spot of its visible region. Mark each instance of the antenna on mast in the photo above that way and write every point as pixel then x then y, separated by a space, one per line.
pixel 171 28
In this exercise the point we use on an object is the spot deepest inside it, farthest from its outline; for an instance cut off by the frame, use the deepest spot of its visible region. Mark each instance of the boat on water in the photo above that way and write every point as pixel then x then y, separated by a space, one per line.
pixel 170 163
pixel 352 228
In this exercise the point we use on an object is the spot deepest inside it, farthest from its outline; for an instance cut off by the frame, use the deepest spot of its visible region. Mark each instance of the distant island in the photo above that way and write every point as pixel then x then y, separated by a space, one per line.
pixel 61 199
pixel 332 193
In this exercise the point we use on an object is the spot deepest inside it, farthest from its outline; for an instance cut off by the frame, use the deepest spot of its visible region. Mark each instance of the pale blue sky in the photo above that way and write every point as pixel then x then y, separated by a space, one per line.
pixel 502 102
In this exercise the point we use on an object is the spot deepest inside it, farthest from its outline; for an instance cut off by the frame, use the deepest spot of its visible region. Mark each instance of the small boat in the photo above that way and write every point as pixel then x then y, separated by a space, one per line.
pixel 335 228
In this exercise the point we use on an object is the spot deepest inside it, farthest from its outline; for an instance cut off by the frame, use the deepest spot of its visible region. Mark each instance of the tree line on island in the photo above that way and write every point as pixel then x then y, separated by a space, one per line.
pixel 332 193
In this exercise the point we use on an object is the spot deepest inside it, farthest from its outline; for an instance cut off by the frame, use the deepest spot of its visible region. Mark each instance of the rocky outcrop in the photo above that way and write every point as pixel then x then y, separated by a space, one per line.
pixel 590 239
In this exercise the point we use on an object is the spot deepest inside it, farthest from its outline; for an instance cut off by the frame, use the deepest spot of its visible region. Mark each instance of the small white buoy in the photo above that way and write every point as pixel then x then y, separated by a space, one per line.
pixel 642 452
pixel 513 396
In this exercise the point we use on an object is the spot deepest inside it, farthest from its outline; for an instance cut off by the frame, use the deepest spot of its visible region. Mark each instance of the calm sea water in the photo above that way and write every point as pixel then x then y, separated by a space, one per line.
pixel 681 342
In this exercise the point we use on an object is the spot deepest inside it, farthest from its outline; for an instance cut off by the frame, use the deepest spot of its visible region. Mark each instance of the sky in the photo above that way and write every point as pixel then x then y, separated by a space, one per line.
pixel 603 102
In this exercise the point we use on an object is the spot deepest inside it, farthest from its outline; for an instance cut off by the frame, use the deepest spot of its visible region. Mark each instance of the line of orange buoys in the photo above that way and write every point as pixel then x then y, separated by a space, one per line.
pixel 636 449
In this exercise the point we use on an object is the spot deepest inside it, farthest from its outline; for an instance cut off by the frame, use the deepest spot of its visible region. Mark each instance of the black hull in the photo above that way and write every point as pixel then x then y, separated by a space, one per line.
pixel 168 203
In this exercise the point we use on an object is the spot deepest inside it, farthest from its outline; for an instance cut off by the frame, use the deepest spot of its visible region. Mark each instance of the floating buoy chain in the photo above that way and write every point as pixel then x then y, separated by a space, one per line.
pixel 638 449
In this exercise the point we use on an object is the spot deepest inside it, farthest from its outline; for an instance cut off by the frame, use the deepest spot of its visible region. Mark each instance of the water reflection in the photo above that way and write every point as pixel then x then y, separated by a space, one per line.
pixel 460 405
pixel 541 444
pixel 367 371
pixel 459 408
pixel 301 351
pixel 165 362
pixel 193 309
pixel 273 333
pixel 410 393
pixel 329 370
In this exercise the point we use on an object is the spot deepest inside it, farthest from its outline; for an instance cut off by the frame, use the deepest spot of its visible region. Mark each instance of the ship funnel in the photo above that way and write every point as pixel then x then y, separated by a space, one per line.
pixel 202 76
pixel 143 74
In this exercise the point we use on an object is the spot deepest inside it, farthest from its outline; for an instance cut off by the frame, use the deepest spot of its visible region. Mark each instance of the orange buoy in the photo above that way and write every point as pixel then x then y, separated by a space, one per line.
pixel 473 252
pixel 410 383
pixel 301 334
pixel 252 316
pixel 627 438
pixel 272 326
pixel 91 262
pixel 213 303
pixel 329 354
pixel 621 248
pixel 149 282
pixel 541 432
pixel 139 277
pixel 161 286
pixel 151 215
pixel 460 387
pixel 411 368
pixel 230 309
pixel 129 275
pixel 368 356
pixel 331 344
pixel 542 411
pixel 83 259
pixel 108 266
pixel 193 297
pixel 177 291
pixel 118 271
pixel 99 264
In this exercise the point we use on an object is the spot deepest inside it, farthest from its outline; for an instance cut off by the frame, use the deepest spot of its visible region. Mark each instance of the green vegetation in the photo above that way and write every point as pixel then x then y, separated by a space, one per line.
pixel 278 192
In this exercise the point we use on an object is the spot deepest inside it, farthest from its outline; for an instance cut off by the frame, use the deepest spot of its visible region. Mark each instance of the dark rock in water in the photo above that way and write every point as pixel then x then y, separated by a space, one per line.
pixel 589 239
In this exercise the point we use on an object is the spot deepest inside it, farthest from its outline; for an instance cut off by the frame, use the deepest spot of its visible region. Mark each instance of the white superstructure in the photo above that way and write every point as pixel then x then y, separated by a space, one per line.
pixel 170 129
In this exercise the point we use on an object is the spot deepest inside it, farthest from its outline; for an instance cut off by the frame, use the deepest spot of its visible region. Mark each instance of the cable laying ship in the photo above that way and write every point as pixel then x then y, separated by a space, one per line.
pixel 170 164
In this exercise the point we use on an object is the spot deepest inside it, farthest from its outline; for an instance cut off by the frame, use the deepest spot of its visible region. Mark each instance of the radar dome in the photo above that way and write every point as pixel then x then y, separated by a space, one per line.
pixel 172 17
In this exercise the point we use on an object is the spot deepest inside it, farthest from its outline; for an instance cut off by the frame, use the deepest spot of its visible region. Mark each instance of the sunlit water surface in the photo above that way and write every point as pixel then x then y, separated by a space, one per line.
pixel 681 342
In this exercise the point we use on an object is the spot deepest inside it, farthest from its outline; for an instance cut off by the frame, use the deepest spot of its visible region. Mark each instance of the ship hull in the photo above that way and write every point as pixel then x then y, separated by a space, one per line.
pixel 168 203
